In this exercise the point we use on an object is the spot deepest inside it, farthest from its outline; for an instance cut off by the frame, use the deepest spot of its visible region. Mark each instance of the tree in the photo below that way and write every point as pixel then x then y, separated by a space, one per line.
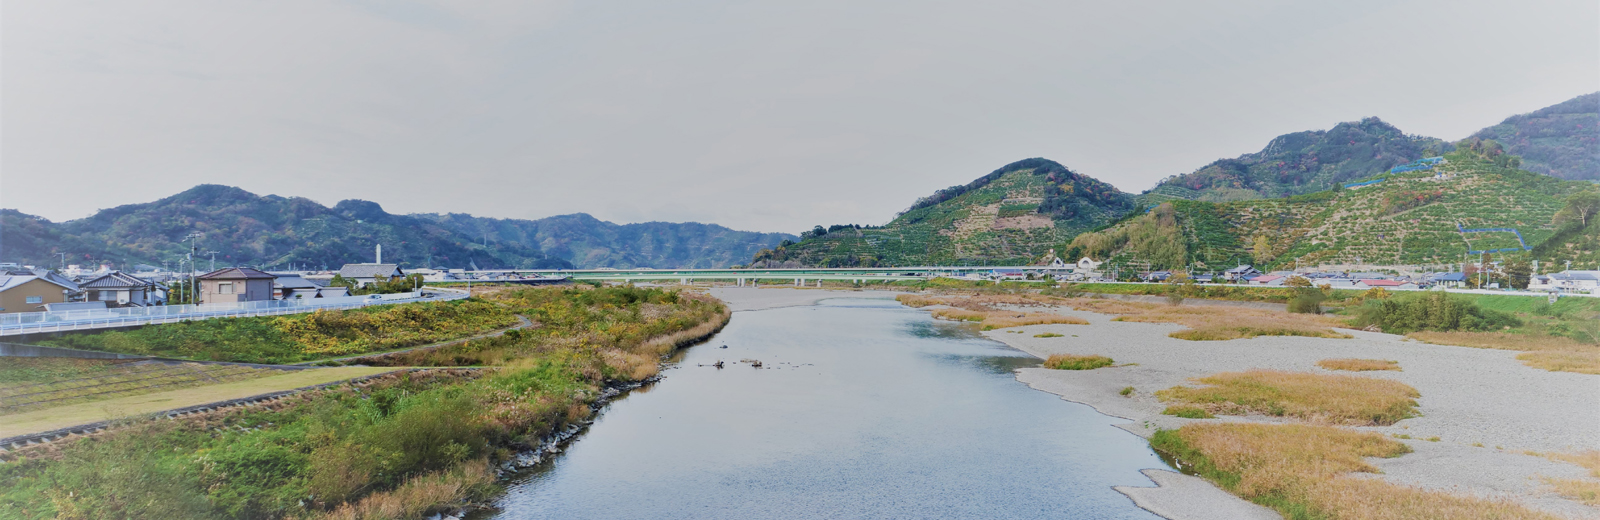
pixel 1518 272
pixel 1262 249
pixel 1581 208
pixel 1179 285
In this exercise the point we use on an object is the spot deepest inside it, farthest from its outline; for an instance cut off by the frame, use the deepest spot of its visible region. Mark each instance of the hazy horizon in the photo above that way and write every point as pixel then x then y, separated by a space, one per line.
pixel 758 117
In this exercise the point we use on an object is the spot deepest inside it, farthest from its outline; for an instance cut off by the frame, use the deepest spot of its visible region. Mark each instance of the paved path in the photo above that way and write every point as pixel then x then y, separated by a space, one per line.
pixel 84 413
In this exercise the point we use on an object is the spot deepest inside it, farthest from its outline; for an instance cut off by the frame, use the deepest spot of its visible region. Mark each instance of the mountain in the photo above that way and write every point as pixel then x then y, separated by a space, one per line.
pixel 1423 217
pixel 589 242
pixel 279 232
pixel 1014 214
pixel 1562 140
pixel 1301 162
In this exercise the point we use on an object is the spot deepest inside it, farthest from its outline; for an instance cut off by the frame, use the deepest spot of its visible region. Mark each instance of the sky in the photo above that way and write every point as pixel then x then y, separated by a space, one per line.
pixel 765 116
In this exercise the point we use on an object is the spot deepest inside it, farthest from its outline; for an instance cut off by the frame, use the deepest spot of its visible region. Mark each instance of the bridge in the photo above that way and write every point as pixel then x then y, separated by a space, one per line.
pixel 801 276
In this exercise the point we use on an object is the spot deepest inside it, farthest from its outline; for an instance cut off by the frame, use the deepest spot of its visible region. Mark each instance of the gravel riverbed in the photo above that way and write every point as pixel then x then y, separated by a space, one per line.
pixel 1470 397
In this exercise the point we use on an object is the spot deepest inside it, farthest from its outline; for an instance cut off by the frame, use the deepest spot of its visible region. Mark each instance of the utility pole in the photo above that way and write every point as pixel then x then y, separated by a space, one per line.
pixel 213 258
pixel 64 262
pixel 193 240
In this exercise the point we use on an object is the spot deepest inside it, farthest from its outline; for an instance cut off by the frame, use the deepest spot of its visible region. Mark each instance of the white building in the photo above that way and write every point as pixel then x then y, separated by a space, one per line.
pixel 1566 281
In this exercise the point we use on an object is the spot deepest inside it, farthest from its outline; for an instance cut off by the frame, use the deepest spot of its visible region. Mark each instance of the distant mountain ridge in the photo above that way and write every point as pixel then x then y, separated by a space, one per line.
pixel 590 242
pixel 1302 162
pixel 1561 140
pixel 283 232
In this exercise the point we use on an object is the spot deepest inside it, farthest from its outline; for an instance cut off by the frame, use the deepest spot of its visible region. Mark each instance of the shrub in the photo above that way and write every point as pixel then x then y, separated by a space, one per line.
pixel 1071 362
pixel 1126 391
pixel 1434 311
pixel 1047 335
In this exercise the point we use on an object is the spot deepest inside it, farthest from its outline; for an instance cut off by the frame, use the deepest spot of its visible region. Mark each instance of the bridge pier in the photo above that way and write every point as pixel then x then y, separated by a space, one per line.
pixel 683 281
pixel 819 283
pixel 798 281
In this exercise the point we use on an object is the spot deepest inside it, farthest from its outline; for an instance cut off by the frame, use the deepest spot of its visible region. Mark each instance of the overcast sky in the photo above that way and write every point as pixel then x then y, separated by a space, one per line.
pixel 770 116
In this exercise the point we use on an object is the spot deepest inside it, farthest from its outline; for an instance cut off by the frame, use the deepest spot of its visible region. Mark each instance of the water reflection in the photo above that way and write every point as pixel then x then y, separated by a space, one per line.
pixel 862 409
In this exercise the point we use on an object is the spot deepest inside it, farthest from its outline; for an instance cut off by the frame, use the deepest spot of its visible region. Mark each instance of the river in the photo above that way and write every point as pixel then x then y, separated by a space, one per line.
pixel 863 408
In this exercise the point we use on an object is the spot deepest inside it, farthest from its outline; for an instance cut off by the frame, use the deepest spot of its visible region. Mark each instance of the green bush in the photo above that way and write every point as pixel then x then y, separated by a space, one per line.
pixel 1432 311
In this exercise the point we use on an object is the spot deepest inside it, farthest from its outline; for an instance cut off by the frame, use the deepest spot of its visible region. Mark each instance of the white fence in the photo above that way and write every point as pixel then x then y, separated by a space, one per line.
pixel 48 321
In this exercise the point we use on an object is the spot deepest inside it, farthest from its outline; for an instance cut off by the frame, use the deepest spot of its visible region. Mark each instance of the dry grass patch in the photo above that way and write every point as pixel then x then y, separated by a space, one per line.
pixel 1188 412
pixel 1071 362
pixel 917 300
pixel 1553 353
pixel 1304 472
pixel 1004 319
pixel 1213 323
pixel 1359 365
pixel 1558 361
pixel 1331 399
pixel 1582 490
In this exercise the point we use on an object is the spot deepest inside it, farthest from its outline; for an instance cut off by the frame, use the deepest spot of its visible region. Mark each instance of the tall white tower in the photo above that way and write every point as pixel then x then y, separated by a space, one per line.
pixel 380 254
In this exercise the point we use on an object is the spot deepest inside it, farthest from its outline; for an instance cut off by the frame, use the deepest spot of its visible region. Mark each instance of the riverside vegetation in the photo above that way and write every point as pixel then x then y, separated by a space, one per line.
pixel 399 446
pixel 302 337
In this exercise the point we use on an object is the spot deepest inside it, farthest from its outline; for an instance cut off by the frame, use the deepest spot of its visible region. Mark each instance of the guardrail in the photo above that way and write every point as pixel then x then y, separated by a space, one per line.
pixel 58 321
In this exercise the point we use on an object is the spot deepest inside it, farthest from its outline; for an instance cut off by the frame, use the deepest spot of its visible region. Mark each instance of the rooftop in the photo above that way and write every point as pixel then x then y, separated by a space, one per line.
pixel 236 273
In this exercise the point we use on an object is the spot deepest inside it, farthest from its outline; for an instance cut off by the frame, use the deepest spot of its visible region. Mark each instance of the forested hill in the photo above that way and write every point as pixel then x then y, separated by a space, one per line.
pixel 1562 140
pixel 1428 218
pixel 1015 214
pixel 280 233
pixel 1302 162
pixel 589 242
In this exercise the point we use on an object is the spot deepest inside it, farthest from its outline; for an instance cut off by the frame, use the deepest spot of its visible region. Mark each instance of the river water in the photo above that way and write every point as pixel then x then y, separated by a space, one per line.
pixel 863 409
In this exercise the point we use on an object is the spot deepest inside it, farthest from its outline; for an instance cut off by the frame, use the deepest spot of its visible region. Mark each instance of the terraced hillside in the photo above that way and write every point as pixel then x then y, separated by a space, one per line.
pixel 1016 214
pixel 1415 218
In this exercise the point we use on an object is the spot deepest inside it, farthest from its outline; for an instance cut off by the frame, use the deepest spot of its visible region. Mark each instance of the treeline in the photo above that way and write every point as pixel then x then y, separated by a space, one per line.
pixel 1154 237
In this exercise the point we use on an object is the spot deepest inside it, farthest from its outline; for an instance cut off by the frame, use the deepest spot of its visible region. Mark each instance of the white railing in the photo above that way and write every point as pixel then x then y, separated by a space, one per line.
pixel 53 321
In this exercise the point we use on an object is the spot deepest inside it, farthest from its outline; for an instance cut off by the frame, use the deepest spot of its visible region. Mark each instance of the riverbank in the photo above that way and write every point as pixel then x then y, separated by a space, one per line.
pixel 399 445
pixel 1487 411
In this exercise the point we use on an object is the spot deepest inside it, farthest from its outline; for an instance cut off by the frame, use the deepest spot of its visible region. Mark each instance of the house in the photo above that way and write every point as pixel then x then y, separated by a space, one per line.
pixel 235 284
pixel 119 289
pixel 1242 272
pixel 1268 280
pixel 1450 280
pixel 30 292
pixel 294 287
pixel 364 274
pixel 1158 276
pixel 1387 284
